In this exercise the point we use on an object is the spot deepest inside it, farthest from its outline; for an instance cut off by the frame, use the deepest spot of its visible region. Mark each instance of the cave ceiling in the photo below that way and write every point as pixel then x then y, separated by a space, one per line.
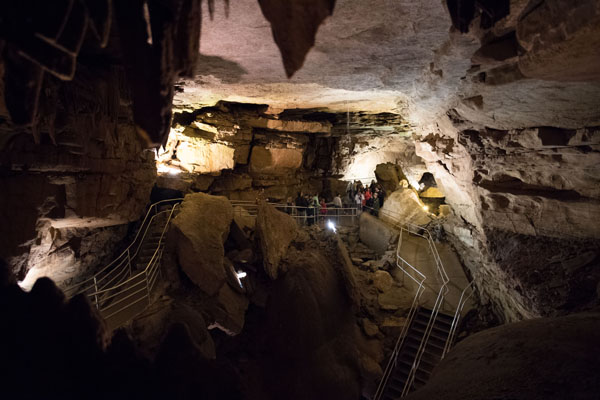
pixel 405 57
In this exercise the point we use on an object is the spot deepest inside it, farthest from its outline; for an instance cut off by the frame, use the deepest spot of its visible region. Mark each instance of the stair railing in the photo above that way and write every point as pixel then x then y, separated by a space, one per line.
pixel 142 282
pixel 425 234
pixel 457 315
pixel 130 290
pixel 245 208
pixel 420 281
pixel 121 267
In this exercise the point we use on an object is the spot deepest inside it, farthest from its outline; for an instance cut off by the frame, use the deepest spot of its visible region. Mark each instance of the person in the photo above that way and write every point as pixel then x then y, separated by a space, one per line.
pixel 358 200
pixel 369 200
pixel 368 195
pixel 301 204
pixel 316 205
pixel 310 210
pixel 350 190
pixel 323 206
pixel 381 195
pixel 375 206
pixel 337 205
pixel 337 201
pixel 373 185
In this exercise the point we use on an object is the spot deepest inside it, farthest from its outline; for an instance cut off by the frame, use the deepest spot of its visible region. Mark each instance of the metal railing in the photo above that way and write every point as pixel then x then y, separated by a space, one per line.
pixel 117 286
pixel 407 268
pixel 457 315
pixel 302 215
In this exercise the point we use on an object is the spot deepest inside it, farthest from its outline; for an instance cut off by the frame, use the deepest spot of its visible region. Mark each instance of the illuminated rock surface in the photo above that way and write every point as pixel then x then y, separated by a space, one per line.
pixel 199 232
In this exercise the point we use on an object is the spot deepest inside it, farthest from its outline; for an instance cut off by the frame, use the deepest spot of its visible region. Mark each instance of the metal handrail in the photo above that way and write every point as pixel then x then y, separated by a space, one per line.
pixel 122 281
pixel 251 209
pixel 462 301
pixel 411 314
pixel 424 233
pixel 125 255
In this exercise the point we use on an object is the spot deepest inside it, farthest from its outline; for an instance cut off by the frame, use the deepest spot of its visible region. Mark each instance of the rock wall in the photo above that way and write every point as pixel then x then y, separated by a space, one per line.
pixel 515 152
pixel 241 150
pixel 80 174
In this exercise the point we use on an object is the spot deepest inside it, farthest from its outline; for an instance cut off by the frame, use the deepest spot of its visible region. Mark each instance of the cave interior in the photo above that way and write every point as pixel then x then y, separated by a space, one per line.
pixel 181 211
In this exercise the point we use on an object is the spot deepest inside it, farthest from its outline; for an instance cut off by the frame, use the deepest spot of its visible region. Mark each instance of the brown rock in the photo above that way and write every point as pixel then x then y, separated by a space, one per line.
pixel 199 231
pixel 394 300
pixel 369 369
pixel 230 312
pixel 567 347
pixel 202 182
pixel 383 281
pixel 150 328
pixel 274 161
pixel 369 328
pixel 392 325
pixel 275 231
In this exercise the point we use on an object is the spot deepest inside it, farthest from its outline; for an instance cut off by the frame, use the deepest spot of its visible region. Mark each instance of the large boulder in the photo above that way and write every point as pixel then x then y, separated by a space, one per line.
pixel 275 231
pixel 311 329
pixel 150 328
pixel 199 232
pixel 546 358
pixel 404 206
pixel 229 311
pixel 376 234
pixel 389 175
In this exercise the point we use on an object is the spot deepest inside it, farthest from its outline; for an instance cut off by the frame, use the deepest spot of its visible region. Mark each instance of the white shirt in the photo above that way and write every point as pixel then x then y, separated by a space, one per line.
pixel 337 201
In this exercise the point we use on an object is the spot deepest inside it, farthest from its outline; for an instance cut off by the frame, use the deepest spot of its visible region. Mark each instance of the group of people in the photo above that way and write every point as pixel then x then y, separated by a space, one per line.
pixel 370 197
pixel 311 206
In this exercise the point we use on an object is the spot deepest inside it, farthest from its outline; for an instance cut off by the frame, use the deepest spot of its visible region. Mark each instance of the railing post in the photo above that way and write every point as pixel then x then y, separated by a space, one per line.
pixel 129 263
pixel 96 293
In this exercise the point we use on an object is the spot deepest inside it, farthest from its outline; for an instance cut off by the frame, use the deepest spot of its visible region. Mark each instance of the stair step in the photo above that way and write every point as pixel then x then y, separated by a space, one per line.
pixel 428 361
pixel 427 351
pixel 424 319
pixel 435 333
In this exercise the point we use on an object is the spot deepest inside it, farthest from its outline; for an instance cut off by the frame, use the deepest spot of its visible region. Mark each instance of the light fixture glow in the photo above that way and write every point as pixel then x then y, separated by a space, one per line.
pixel 239 275
pixel 425 208
pixel 331 226
pixel 165 169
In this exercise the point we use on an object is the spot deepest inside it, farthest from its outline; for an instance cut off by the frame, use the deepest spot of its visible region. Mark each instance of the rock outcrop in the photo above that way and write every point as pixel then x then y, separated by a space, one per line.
pixel 479 366
pixel 83 171
pixel 404 205
pixel 275 231
pixel 199 232
pixel 323 332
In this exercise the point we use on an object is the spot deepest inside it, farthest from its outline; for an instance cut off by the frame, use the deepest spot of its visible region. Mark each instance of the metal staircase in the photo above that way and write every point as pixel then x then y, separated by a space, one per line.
pixel 433 351
pixel 123 289
pixel 430 331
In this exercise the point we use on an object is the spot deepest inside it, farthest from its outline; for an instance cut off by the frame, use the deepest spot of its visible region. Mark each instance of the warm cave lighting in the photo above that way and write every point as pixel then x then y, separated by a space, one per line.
pixel 331 226
pixel 425 208
pixel 165 169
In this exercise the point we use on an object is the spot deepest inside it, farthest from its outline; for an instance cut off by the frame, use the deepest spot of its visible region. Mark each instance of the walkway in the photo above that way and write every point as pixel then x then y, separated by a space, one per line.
pixel 415 250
